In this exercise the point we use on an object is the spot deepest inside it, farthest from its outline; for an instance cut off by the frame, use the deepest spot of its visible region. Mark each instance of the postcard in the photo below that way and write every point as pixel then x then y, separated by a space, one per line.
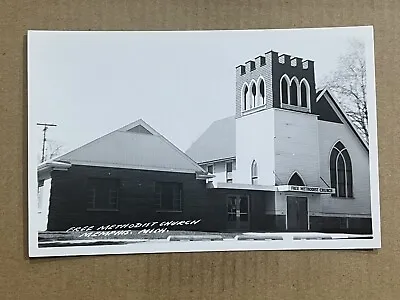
pixel 193 141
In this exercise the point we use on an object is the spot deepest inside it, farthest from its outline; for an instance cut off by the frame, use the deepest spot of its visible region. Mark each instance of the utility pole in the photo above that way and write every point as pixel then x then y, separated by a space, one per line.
pixel 46 126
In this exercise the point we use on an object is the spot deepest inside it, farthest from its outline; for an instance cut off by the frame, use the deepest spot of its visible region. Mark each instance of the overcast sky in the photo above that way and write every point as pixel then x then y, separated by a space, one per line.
pixel 91 83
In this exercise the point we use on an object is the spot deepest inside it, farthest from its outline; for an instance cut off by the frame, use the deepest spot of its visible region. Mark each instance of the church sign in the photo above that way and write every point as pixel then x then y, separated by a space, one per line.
pixel 306 189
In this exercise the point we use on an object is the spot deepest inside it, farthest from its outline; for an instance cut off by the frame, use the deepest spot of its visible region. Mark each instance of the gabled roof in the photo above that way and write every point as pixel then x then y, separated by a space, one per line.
pixel 216 143
pixel 134 146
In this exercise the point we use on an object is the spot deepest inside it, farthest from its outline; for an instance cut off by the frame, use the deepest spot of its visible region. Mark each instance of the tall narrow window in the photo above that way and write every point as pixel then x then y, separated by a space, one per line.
pixel 229 167
pixel 254 172
pixel 294 85
pixel 261 89
pixel 284 89
pixel 341 171
pixel 253 95
pixel 245 96
pixel 305 93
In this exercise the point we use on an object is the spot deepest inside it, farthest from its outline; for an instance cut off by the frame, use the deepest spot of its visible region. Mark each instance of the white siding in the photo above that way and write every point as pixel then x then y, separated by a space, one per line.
pixel 255 141
pixel 296 146
pixel 329 134
pixel 43 205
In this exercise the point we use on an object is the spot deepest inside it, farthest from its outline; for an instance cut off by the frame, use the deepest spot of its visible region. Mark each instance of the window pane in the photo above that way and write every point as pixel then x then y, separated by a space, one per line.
pixel 293 93
pixel 284 90
pixel 103 193
pixel 229 167
pixel 341 176
pixel 349 183
pixel 245 91
pixel 167 197
pixel 339 146
pixel 262 91
pixel 303 95
pixel 210 169
pixel 296 180
pixel 244 208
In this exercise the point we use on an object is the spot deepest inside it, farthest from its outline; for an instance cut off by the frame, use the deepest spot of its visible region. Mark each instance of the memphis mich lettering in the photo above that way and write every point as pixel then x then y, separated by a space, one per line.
pixel 125 229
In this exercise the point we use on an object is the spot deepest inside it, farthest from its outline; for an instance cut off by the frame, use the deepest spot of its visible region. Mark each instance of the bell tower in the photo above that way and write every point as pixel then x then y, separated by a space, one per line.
pixel 275 120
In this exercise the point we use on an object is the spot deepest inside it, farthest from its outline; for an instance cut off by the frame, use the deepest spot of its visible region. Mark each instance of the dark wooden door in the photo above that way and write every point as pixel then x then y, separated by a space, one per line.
pixel 297 213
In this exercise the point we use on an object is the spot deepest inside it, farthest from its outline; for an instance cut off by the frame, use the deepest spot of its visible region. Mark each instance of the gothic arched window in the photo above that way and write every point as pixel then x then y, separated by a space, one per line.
pixel 254 172
pixel 294 87
pixel 295 179
pixel 284 88
pixel 253 94
pixel 305 93
pixel 261 91
pixel 245 91
pixel 341 171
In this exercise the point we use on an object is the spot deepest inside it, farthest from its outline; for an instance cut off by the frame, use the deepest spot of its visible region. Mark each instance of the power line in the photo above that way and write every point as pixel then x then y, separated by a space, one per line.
pixel 46 126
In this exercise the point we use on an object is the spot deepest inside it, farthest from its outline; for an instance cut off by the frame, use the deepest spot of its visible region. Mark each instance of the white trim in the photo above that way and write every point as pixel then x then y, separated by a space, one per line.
pixel 206 162
pixel 339 215
pixel 279 188
pixel 131 167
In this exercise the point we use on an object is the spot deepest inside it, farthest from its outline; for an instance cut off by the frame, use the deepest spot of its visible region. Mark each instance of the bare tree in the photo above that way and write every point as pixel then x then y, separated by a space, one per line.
pixel 349 85
pixel 52 149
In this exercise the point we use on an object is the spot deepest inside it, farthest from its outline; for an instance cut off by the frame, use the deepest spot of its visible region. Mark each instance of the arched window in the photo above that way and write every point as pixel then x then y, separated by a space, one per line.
pixel 253 94
pixel 295 179
pixel 305 93
pixel 245 91
pixel 341 171
pixel 294 87
pixel 284 87
pixel 261 91
pixel 254 172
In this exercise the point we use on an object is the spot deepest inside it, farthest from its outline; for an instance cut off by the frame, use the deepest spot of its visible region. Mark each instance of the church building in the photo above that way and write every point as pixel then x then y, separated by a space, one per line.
pixel 289 159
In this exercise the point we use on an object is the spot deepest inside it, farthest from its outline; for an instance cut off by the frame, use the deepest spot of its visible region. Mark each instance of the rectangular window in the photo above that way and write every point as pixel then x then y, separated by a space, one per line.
pixel 169 195
pixel 229 167
pixel 210 169
pixel 102 194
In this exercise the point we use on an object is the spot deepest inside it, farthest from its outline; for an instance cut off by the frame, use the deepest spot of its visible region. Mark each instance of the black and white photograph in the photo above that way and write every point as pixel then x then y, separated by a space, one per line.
pixel 193 141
